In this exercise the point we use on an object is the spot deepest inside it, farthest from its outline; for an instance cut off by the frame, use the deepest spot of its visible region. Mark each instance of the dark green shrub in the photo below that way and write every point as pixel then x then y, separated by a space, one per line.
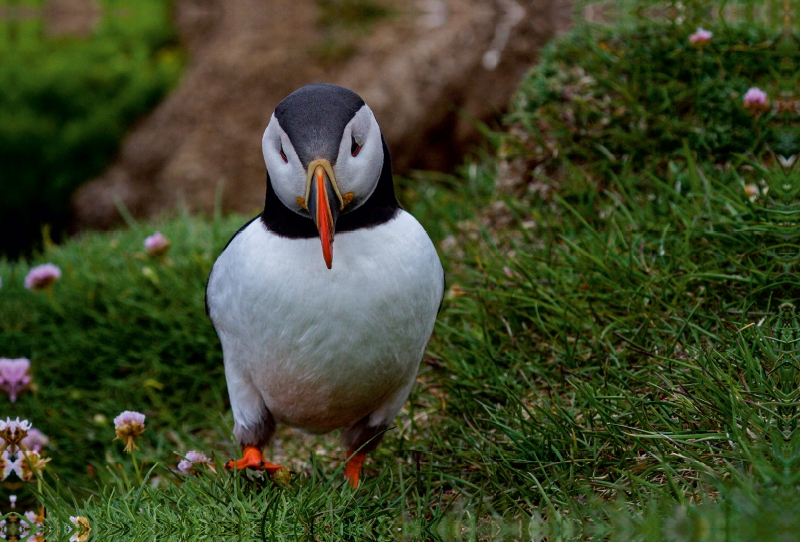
pixel 65 104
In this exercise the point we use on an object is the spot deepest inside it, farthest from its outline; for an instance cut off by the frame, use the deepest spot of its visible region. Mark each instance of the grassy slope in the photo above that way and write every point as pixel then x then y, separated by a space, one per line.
pixel 623 346
pixel 120 331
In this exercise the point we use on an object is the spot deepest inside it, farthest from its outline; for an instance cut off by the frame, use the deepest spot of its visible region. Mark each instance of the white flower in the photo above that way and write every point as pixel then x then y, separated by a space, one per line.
pixel 82 529
pixel 8 465
pixel 12 432
pixel 33 523
pixel 15 425
pixel 752 191
pixel 30 465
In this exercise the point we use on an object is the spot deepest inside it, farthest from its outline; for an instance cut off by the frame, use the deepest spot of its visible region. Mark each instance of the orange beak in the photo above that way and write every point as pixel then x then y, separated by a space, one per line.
pixel 321 194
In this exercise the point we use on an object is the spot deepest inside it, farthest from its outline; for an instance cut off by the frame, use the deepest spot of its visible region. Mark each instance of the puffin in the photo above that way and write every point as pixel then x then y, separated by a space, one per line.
pixel 313 338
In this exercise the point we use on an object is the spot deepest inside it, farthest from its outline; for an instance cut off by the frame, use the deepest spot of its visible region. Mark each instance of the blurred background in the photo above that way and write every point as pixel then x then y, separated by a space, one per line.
pixel 145 106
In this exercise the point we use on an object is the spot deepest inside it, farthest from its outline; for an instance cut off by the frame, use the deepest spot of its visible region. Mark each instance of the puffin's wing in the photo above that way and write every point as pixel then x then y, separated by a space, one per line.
pixel 208 280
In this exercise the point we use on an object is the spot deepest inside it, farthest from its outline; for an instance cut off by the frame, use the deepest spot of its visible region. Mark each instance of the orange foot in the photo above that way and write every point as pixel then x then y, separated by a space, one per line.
pixel 253 459
pixel 353 469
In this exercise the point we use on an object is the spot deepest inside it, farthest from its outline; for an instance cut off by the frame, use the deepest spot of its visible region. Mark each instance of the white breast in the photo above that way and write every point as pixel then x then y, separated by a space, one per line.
pixel 326 347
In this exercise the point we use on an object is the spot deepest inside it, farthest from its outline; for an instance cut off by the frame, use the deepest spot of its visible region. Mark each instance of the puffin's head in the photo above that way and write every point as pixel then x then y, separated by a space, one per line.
pixel 324 155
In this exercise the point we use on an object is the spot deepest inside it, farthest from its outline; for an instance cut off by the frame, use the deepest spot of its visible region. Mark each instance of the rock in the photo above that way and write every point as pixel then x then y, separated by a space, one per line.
pixel 71 17
pixel 428 71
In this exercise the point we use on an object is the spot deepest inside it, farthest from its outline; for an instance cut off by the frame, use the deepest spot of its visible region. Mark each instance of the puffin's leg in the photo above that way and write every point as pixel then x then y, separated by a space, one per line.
pixel 365 435
pixel 254 424
pixel 360 438
pixel 252 439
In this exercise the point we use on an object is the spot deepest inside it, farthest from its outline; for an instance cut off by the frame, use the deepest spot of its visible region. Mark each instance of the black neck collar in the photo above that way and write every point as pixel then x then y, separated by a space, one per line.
pixel 381 207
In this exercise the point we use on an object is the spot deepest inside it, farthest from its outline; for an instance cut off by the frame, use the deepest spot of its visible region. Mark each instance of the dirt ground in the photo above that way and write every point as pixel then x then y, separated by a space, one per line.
pixel 425 70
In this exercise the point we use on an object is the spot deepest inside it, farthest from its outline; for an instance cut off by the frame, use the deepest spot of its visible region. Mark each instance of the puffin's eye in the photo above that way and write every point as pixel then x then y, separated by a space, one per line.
pixel 355 148
pixel 284 156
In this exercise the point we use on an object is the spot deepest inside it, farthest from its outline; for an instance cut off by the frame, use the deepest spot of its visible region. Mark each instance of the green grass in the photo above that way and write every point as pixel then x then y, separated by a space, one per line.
pixel 612 112
pixel 122 331
pixel 615 359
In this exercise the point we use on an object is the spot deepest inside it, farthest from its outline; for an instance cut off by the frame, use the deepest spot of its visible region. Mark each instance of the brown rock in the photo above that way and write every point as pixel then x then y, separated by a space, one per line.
pixel 71 17
pixel 418 70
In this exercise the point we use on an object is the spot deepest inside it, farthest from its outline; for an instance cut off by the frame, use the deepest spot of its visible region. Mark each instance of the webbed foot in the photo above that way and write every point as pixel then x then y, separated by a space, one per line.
pixel 252 458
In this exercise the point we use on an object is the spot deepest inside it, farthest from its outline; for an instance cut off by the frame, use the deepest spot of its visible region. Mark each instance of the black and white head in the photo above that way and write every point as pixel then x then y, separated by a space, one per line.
pixel 325 156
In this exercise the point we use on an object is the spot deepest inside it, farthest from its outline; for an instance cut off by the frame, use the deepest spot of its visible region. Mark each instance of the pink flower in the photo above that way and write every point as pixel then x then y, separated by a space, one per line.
pixel 128 417
pixel 700 37
pixel 128 426
pixel 755 100
pixel 36 440
pixel 42 276
pixel 197 457
pixel 156 244
pixel 14 376
pixel 194 458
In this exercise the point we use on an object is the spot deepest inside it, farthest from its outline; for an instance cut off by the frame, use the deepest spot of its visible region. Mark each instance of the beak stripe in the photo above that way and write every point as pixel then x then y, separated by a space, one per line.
pixel 326 166
pixel 324 218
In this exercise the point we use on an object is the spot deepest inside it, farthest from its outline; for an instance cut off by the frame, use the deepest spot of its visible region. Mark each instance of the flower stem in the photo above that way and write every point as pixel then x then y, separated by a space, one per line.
pixel 53 303
pixel 136 466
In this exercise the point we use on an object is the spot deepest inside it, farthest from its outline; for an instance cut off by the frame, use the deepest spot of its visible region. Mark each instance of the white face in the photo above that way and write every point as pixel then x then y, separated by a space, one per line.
pixel 354 174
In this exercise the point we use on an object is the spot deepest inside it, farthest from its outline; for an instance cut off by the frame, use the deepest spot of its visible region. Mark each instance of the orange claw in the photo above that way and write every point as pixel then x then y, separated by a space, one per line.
pixel 352 470
pixel 253 459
